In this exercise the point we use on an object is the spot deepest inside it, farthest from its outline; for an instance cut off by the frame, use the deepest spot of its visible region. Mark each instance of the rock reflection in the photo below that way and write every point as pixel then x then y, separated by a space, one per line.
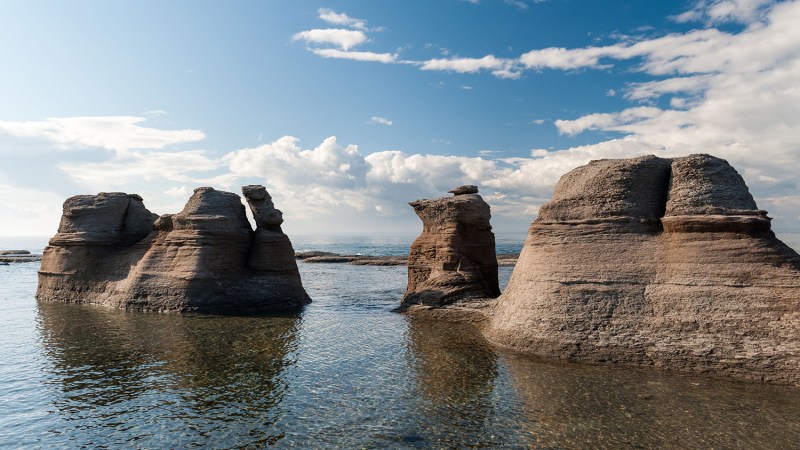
pixel 455 371
pixel 580 406
pixel 222 374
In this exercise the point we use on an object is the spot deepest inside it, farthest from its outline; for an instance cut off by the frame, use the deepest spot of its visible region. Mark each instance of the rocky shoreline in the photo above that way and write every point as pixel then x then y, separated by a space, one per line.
pixel 503 259
pixel 17 256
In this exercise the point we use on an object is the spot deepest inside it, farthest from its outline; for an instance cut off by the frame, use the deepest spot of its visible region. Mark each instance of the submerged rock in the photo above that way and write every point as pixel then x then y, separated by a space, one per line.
pixel 454 257
pixel 110 250
pixel 659 262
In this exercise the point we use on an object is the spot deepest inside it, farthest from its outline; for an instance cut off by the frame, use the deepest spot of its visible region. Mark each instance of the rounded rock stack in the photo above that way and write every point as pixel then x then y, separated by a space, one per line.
pixel 652 261
pixel 110 250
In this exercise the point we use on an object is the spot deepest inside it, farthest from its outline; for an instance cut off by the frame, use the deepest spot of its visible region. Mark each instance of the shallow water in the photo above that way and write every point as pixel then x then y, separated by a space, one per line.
pixel 344 373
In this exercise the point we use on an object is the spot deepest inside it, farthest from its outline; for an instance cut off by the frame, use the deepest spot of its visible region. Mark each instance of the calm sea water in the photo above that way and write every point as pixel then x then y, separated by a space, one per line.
pixel 346 372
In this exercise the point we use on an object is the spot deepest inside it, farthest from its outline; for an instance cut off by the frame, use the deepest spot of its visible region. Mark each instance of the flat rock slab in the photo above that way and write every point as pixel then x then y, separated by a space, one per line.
pixel 19 258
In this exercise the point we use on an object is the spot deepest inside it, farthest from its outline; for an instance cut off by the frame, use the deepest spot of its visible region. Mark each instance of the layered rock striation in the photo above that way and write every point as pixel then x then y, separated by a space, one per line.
pixel 454 257
pixel 652 261
pixel 110 250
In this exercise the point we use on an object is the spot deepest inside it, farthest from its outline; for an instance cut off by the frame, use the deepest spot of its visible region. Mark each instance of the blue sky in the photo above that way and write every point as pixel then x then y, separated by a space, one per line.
pixel 347 110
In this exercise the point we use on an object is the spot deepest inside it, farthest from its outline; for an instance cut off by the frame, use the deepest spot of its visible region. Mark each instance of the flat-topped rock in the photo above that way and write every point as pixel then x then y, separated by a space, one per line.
pixel 466 189
pixel 110 250
pixel 653 261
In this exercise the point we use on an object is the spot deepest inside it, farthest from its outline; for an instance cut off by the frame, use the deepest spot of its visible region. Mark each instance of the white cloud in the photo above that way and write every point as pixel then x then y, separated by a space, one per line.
pixel 519 4
pixel 743 104
pixel 118 133
pixel 606 121
pixel 341 19
pixel 499 67
pixel 654 89
pixel 464 65
pixel 677 102
pixel 380 121
pixel 28 211
pixel 538 121
pixel 564 59
pixel 385 58
pixel 721 11
pixel 344 39
pixel 135 166
pixel 179 192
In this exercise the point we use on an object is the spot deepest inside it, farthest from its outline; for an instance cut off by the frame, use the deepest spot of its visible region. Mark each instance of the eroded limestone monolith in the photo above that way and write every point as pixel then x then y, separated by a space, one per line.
pixel 454 257
pixel 110 250
pixel 653 261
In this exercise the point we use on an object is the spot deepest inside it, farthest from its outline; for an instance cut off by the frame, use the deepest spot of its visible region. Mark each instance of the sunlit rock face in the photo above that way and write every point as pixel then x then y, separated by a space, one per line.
pixel 656 262
pixel 454 257
pixel 110 250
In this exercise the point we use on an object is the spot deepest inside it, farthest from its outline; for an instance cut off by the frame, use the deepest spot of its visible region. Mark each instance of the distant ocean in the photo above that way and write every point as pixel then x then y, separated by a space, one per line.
pixel 368 245
pixel 347 372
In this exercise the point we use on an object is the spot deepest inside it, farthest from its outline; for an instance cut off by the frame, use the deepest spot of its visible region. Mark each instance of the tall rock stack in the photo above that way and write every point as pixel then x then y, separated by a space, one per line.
pixel 454 257
pixel 659 262
pixel 112 251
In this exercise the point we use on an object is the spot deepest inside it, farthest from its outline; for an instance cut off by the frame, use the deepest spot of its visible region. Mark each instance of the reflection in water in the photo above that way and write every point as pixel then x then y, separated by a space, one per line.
pixel 349 374
pixel 452 363
pixel 583 406
pixel 199 379
pixel 456 374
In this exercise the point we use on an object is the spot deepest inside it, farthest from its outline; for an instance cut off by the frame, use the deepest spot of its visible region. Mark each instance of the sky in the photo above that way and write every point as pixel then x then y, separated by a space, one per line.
pixel 346 110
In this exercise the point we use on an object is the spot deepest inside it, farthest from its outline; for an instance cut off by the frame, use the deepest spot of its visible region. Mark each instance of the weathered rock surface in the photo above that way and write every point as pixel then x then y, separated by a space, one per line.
pixel 658 262
pixel 110 250
pixel 454 257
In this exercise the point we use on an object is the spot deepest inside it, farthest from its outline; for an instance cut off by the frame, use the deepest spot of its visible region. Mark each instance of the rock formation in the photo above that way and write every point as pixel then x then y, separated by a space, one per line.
pixel 659 262
pixel 454 257
pixel 110 250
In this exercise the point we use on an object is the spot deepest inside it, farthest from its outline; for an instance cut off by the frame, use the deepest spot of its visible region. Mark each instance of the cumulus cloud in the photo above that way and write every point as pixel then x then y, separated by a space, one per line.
pixel 566 59
pixel 679 85
pixel 386 58
pixel 721 11
pixel 118 133
pixel 344 39
pixel 500 67
pixel 606 121
pixel 380 121
pixel 342 19
pixel 332 178
pixel 129 167
pixel 28 211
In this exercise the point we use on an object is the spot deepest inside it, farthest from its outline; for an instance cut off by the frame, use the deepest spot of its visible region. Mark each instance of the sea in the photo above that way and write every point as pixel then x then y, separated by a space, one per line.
pixel 347 372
